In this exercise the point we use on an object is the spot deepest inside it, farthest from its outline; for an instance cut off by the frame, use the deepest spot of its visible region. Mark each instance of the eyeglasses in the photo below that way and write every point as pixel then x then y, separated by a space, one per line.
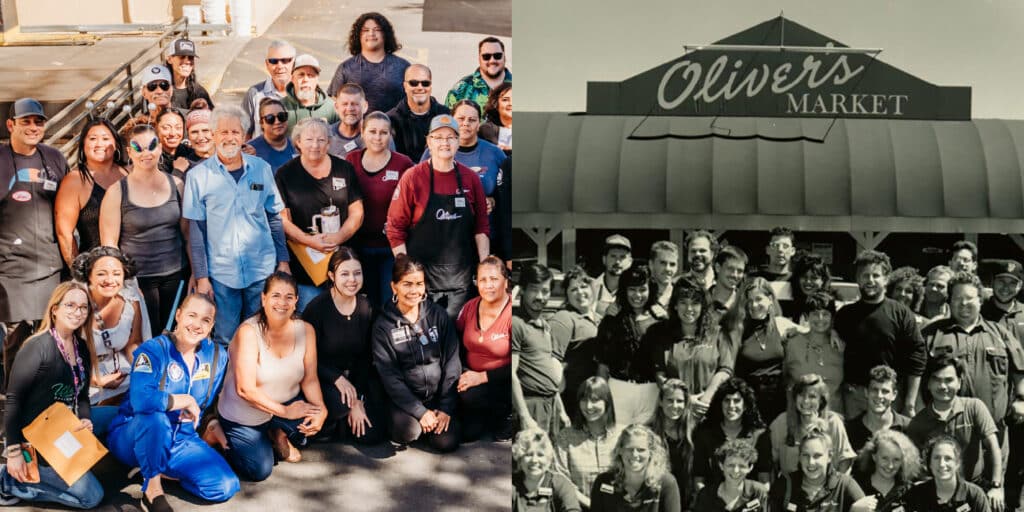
pixel 417 83
pixel 164 85
pixel 279 117
pixel 448 139
pixel 492 56
pixel 138 149
pixel 283 60
pixel 80 308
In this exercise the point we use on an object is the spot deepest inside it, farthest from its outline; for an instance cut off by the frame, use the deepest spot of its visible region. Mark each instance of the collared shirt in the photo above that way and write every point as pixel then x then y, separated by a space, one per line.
pixel 472 87
pixel 253 97
pixel 967 497
pixel 603 297
pixel 990 352
pixel 969 422
pixel 1012 319
pixel 240 249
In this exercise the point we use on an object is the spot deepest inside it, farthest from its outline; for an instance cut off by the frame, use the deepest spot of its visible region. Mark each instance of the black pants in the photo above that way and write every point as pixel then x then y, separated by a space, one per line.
pixel 406 429
pixel 452 300
pixel 159 293
pixel 488 407
pixel 337 412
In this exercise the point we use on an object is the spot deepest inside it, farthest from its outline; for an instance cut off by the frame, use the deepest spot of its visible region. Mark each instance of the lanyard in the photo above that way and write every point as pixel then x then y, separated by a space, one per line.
pixel 78 374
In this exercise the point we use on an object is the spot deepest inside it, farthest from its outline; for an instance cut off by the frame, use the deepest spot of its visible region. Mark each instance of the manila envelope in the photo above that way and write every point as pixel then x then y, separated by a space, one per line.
pixel 71 453
pixel 313 261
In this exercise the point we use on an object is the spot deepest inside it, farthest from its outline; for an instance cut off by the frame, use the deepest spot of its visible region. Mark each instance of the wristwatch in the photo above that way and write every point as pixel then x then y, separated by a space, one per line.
pixel 997 485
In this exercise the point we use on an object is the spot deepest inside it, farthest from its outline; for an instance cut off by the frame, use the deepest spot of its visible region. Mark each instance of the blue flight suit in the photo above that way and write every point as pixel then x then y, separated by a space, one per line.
pixel 147 435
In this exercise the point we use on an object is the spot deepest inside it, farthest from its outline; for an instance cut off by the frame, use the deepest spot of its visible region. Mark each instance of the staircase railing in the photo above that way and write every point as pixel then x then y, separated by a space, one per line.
pixel 118 90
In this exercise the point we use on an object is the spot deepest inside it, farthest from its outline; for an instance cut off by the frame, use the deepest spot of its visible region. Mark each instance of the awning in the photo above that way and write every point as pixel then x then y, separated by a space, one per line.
pixel 585 171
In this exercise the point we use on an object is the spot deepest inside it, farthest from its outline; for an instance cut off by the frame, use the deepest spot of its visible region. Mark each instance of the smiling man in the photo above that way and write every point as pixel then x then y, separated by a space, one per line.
pixel 305 98
pixel 878 331
pixel 411 118
pixel 346 135
pixel 701 248
pixel 536 364
pixel 1003 307
pixel 279 61
pixel 30 262
pixel 373 64
pixel 880 394
pixel 236 235
pixel 490 73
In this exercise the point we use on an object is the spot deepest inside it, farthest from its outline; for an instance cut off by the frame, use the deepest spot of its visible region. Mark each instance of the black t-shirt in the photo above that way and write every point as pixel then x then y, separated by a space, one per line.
pixel 710 437
pixel 884 333
pixel 304 196
pixel 39 377
pixel 342 341
pixel 859 434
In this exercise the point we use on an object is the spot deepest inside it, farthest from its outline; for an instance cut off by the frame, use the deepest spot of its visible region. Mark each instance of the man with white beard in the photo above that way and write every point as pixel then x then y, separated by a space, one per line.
pixel 236 235
pixel 305 98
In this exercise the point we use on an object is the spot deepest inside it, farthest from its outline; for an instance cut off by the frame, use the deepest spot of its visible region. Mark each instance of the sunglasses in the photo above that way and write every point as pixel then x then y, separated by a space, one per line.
pixel 492 56
pixel 417 83
pixel 138 149
pixel 280 117
pixel 283 60
pixel 164 85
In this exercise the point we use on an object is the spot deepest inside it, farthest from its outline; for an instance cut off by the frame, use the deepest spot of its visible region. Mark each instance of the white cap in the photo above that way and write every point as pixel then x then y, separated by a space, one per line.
pixel 306 60
pixel 153 73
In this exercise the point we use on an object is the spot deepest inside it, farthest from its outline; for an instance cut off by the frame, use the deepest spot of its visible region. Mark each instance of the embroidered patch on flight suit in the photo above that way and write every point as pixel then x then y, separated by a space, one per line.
pixel 143 365
pixel 175 372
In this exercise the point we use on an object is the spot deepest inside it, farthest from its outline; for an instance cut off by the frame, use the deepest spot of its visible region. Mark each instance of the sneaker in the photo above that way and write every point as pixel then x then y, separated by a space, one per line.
pixel 158 505
pixel 398 447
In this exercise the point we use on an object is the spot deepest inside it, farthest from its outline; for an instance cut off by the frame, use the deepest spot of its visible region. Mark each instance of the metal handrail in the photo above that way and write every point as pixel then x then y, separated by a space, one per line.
pixel 67 124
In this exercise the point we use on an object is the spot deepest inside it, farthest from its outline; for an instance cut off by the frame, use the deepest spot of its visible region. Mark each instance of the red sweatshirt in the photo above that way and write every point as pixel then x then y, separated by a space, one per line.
pixel 410 199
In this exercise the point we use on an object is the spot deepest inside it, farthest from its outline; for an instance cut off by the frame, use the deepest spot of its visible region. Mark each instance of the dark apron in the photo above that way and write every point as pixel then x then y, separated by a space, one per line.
pixel 30 260
pixel 445 247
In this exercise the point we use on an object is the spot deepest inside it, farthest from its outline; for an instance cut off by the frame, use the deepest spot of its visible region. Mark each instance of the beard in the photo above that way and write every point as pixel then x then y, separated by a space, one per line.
pixel 229 151
pixel 306 95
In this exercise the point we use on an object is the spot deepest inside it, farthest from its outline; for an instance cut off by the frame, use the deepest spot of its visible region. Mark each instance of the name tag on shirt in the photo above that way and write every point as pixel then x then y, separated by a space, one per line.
pixel 964 508
pixel 338 183
pixel 543 491
pixel 350 145
pixel 607 489
pixel 390 176
pixel 791 507
pixel 400 335
pixel 899 509
pixel 751 506
pixel 203 372
pixel 49 185
pixel 460 202
pixel 256 186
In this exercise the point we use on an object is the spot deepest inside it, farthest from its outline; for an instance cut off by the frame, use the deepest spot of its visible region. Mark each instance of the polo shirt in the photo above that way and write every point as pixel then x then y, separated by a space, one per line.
pixel 969 422
pixel 240 249
pixel 787 494
pixel 554 493
pixel 1012 319
pixel 539 371
pixel 859 433
pixel 753 499
pixel 966 498
pixel 990 352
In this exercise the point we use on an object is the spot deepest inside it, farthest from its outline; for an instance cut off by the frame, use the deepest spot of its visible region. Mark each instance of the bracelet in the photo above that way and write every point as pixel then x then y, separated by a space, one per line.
pixel 13 450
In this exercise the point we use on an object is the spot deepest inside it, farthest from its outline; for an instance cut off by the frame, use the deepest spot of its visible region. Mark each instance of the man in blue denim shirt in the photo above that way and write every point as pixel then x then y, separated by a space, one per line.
pixel 235 229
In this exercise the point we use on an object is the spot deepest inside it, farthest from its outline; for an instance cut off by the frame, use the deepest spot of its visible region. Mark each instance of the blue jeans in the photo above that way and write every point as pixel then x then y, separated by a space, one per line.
pixel 378 263
pixel 307 293
pixel 157 446
pixel 86 493
pixel 249 450
pixel 233 306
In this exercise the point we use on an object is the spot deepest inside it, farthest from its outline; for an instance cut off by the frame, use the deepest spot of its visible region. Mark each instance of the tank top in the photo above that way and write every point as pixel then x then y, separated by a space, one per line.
pixel 88 225
pixel 112 358
pixel 152 236
pixel 277 377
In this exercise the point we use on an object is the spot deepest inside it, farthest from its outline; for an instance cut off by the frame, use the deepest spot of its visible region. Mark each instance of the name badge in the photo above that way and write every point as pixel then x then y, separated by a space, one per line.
pixel 899 509
pixel 256 186
pixel 390 175
pixel 338 183
pixel 460 202
pixel 49 185
pixel 652 500
pixel 543 491
pixel 964 508
pixel 203 372
pixel 751 505
pixel 400 335
pixel 350 145
pixel 607 489
pixel 791 507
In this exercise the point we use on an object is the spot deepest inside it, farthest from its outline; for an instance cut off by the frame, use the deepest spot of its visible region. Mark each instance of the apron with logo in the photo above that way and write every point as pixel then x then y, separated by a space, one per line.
pixel 443 239
pixel 30 261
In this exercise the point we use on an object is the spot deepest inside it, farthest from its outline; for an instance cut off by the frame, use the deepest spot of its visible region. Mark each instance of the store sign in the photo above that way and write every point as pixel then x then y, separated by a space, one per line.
pixel 716 82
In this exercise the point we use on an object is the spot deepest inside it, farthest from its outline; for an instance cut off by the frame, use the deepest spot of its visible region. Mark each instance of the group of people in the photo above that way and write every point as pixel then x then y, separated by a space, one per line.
pixel 732 387
pixel 211 287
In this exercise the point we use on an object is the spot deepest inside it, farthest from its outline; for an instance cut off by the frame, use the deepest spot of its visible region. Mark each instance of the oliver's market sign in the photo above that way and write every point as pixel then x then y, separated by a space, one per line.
pixel 715 82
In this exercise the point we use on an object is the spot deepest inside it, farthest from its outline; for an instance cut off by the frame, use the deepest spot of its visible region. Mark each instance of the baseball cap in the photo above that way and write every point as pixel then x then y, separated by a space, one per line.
pixel 1008 268
pixel 443 121
pixel 183 47
pixel 197 117
pixel 154 73
pixel 26 107
pixel 617 240
pixel 306 60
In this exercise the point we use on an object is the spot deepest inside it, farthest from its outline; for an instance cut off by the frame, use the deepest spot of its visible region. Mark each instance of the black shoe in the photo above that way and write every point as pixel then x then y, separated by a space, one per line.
pixel 158 505
pixel 398 447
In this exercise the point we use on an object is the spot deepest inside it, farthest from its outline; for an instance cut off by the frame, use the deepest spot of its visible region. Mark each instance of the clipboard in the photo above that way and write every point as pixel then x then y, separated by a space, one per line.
pixel 70 453
pixel 313 261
